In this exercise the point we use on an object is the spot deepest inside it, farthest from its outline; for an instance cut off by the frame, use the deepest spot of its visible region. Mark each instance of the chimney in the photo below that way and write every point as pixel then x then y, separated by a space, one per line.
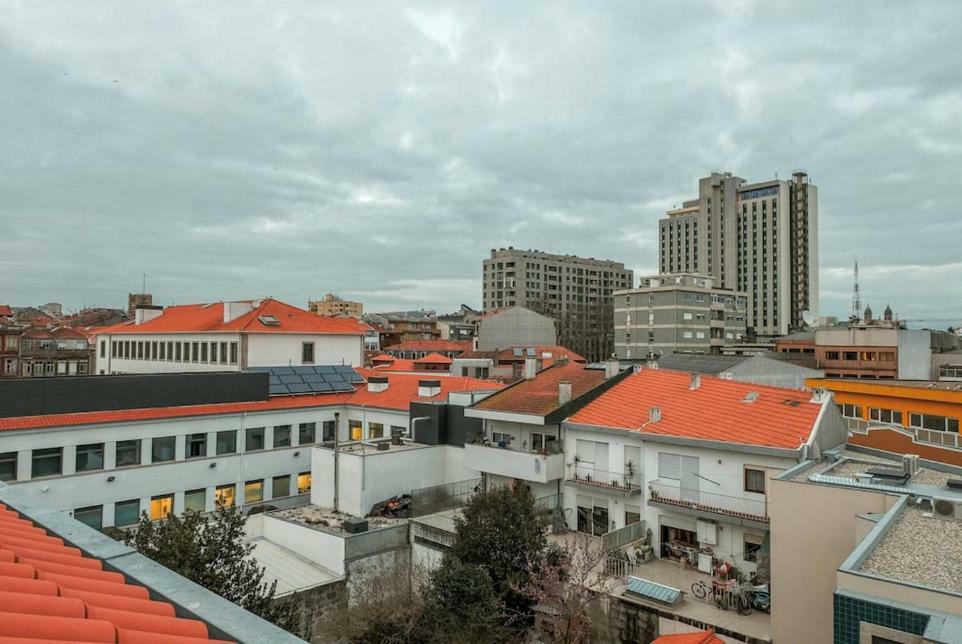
pixel 233 310
pixel 695 381
pixel 530 368
pixel 377 384
pixel 611 368
pixel 654 414
pixel 564 392
pixel 428 388
pixel 146 313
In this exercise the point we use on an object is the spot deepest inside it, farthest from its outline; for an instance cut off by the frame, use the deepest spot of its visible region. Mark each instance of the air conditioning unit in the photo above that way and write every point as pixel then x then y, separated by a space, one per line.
pixel 947 509
pixel 910 464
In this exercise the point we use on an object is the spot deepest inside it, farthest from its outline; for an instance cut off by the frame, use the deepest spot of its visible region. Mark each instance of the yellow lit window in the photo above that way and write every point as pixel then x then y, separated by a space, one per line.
pixel 303 482
pixel 254 491
pixel 224 495
pixel 356 431
pixel 161 506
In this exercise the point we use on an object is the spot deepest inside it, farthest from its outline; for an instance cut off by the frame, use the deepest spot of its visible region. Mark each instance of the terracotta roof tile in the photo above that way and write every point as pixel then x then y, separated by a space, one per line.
pixel 539 396
pixel 717 410
pixel 431 345
pixel 194 318
pixel 433 358
pixel 87 605
pixel 556 351
pixel 697 637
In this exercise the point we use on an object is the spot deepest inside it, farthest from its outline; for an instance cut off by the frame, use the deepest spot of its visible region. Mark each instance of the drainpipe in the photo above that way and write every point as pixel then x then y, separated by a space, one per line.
pixel 337 429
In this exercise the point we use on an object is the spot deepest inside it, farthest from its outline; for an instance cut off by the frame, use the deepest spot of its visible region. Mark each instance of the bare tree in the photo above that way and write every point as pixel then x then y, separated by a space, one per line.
pixel 565 587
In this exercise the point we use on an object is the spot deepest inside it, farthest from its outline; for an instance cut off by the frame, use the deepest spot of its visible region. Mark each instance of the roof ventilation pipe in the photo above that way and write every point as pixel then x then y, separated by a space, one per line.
pixel 654 414
pixel 695 381
pixel 530 368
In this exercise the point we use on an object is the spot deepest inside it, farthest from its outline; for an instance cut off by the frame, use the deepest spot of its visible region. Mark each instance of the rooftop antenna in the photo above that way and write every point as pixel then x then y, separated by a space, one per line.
pixel 856 296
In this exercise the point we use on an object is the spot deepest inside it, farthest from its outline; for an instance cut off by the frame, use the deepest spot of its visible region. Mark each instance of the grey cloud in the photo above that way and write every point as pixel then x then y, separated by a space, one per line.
pixel 381 150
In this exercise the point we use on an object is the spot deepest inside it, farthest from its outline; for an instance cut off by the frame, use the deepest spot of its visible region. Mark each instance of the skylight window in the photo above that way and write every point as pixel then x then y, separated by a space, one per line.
pixel 750 397
pixel 269 320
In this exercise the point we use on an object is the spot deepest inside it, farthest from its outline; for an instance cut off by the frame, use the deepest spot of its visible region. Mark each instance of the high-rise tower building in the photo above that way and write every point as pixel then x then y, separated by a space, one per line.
pixel 759 238
pixel 574 291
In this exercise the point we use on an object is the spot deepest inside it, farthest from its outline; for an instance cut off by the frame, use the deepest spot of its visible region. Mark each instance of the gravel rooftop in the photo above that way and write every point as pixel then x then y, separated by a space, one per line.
pixel 328 519
pixel 920 549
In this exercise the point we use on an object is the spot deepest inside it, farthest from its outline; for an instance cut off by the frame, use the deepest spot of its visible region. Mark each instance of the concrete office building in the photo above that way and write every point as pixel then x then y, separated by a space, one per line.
pixel 576 292
pixel 680 313
pixel 760 238
pixel 335 305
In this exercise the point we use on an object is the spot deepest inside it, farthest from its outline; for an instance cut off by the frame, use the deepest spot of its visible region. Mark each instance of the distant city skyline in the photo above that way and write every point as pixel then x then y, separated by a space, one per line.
pixel 279 152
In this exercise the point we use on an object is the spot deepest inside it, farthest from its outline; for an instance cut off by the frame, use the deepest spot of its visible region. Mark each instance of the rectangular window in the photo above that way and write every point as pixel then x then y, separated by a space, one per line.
pixel 885 415
pixel 194 351
pixel 227 442
pixel 213 353
pixel 126 512
pixel 850 355
pixel 161 506
pixel 162 449
pixel 307 353
pixel 303 482
pixel 375 430
pixel 281 486
pixel 354 429
pixel 195 500
pixel 128 453
pixel 327 430
pixel 223 353
pixel 669 466
pixel 196 445
pixel 254 491
pixel 831 355
pixel 850 411
pixel 92 516
pixel 177 351
pixel 933 422
pixel 170 351
pixel 163 350
pixel 753 545
pixel 90 457
pixel 224 495
pixel 47 462
pixel 203 352
pixel 255 439
pixel 282 436
pixel 140 349
pixel 305 433
pixel 153 350
pixel 103 348
pixel 233 353
pixel 8 466
pixel 754 480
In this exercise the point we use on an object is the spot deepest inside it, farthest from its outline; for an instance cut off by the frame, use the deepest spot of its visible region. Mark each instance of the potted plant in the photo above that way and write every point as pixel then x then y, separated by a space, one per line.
pixel 629 474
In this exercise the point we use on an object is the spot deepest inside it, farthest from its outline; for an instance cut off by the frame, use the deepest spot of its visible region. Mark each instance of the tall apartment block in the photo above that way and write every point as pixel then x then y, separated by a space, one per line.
pixel 759 238
pixel 575 291
pixel 680 313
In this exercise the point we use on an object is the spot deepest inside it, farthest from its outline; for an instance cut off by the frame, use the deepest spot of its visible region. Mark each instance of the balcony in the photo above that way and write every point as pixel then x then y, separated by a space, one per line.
pixel 589 476
pixel 708 503
pixel 504 461
pixel 921 435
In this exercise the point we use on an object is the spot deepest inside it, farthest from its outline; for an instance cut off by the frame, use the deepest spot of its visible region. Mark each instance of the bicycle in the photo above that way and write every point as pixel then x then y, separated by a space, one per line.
pixel 700 589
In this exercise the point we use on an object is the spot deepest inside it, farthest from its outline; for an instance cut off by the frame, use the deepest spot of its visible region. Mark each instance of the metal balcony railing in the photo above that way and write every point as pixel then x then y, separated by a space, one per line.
pixel 589 475
pixel 713 502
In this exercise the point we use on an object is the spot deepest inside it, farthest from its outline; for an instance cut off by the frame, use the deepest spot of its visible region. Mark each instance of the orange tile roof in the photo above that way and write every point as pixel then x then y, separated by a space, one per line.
pixel 52 592
pixel 398 364
pixel 6 311
pixel 402 390
pixel 783 418
pixel 383 358
pixel 697 637
pixel 433 358
pixel 209 318
pixel 431 345
pixel 539 396
pixel 556 351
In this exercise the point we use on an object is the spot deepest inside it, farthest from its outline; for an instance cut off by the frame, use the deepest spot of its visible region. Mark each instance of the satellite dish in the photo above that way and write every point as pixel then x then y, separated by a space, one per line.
pixel 808 318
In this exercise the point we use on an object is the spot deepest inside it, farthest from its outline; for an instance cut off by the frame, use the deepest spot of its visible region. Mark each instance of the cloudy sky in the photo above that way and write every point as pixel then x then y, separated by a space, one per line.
pixel 380 150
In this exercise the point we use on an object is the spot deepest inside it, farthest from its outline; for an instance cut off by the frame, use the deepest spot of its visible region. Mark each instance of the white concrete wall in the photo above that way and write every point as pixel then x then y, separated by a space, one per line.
pixel 113 364
pixel 915 355
pixel 274 349
pixel 364 480
pixel 72 490
pixel 323 548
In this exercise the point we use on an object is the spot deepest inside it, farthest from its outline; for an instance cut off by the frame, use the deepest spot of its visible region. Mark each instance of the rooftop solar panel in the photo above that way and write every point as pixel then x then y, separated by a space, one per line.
pixel 302 379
